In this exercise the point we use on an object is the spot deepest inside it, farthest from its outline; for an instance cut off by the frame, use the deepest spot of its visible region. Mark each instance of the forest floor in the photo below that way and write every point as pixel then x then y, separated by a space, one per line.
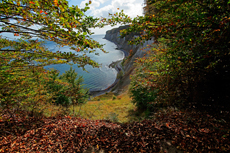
pixel 110 123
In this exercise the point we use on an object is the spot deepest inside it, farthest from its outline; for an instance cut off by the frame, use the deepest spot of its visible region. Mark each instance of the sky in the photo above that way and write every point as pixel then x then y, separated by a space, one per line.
pixel 101 8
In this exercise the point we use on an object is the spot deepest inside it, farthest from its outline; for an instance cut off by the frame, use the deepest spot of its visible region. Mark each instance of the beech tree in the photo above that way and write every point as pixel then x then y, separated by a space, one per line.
pixel 25 24
pixel 191 62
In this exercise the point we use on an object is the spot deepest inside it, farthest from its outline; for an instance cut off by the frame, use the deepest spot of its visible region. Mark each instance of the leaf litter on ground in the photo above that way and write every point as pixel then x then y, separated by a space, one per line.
pixel 187 131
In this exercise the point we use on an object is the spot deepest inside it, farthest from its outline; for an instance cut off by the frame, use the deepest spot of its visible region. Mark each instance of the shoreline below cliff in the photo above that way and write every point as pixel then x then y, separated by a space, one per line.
pixel 119 47
pixel 117 66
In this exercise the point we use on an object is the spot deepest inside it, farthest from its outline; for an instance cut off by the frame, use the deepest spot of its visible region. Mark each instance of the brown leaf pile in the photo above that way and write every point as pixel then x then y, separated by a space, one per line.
pixel 187 131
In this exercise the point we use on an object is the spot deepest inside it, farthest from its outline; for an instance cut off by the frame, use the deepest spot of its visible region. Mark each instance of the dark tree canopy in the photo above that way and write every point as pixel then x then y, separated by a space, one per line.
pixel 191 62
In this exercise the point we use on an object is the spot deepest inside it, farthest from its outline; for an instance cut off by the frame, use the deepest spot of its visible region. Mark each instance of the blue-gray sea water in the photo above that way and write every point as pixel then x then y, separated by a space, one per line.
pixel 97 78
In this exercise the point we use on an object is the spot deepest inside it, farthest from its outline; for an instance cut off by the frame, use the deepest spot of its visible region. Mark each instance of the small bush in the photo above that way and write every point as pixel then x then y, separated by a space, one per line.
pixel 67 88
pixel 114 97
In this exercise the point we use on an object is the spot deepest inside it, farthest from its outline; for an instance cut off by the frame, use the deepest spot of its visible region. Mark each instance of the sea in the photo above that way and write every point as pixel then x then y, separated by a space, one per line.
pixel 94 78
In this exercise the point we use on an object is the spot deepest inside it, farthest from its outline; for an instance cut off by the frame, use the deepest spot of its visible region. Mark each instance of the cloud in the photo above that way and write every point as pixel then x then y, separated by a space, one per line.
pixel 95 3
pixel 103 30
pixel 101 8
pixel 83 3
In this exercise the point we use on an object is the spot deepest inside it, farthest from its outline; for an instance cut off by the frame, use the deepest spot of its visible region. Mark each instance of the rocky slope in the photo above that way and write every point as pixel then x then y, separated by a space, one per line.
pixel 122 44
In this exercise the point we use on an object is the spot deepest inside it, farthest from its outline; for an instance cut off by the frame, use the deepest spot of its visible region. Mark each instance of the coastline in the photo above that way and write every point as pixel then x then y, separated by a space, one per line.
pixel 117 66
pixel 119 47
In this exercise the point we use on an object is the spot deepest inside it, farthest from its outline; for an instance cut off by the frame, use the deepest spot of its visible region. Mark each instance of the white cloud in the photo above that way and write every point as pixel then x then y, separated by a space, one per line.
pixel 83 3
pixel 131 7
pixel 103 30
pixel 95 3
pixel 101 8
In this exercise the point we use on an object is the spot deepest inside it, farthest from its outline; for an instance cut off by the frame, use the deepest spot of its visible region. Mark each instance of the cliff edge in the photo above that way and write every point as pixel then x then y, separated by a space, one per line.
pixel 132 52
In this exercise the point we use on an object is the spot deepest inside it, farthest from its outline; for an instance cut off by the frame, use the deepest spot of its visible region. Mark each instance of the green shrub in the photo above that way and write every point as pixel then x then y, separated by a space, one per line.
pixel 194 65
pixel 114 97
pixel 143 87
pixel 67 88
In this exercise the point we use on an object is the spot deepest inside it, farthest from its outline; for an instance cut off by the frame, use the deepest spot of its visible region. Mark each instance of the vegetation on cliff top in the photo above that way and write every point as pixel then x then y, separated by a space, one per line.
pixel 189 64
pixel 24 83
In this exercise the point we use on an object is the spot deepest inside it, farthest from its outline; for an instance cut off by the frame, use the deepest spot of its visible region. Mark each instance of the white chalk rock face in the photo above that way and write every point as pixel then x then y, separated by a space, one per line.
pixel 122 43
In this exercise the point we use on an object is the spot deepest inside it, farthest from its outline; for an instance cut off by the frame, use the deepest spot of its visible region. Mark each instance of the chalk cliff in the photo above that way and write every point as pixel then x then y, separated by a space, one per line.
pixel 122 44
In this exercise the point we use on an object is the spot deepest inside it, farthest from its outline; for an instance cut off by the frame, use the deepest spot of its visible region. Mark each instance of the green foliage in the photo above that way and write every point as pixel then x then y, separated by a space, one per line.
pixel 194 66
pixel 24 83
pixel 75 91
pixel 114 97
pixel 142 88
pixel 146 93
pixel 67 89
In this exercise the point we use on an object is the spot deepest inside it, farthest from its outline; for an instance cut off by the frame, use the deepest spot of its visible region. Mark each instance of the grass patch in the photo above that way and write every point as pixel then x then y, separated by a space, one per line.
pixel 108 108
pixel 106 96
pixel 119 109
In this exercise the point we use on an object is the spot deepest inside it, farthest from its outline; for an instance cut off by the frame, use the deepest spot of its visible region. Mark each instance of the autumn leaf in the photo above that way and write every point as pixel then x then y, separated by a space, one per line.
pixel 56 2
pixel 31 2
